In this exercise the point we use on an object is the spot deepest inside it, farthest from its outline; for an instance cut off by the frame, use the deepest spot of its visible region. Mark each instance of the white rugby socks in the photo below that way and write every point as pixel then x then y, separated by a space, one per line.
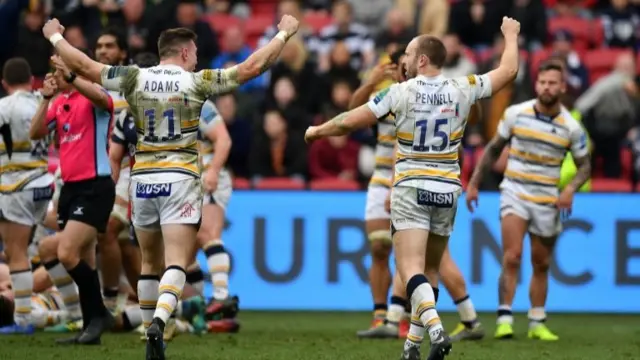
pixel 170 290
pixel 219 264
pixel 148 294
pixel 466 310
pixel 67 288
pixel 22 284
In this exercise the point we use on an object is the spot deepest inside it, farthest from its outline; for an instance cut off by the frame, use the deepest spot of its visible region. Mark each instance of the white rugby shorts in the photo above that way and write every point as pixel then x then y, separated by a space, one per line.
pixel 27 207
pixel 223 192
pixel 374 209
pixel 153 205
pixel 544 220
pixel 413 208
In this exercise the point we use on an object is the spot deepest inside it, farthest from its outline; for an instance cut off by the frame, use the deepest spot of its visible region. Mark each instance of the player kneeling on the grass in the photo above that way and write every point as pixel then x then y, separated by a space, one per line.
pixel 539 132
pixel 215 144
pixel 430 110
pixel 25 186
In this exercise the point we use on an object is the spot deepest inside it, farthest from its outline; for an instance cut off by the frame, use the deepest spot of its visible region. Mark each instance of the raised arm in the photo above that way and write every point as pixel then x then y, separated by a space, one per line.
pixel 77 61
pixel 43 119
pixel 91 91
pixel 362 94
pixel 358 118
pixel 509 62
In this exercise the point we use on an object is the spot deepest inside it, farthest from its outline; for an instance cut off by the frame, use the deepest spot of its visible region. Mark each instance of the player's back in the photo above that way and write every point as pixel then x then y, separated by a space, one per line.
pixel 23 163
pixel 538 145
pixel 430 120
pixel 165 101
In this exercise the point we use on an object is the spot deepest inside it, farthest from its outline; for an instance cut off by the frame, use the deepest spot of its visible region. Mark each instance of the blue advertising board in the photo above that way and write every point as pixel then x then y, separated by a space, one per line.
pixel 308 251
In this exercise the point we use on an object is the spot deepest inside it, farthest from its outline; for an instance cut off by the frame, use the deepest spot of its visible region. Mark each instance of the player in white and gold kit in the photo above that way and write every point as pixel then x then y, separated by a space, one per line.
pixel 430 110
pixel 539 133
pixel 166 189
pixel 25 184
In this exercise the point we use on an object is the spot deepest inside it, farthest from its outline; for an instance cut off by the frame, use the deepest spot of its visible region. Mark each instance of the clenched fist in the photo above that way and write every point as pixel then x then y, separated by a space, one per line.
pixel 289 24
pixel 510 27
pixel 52 27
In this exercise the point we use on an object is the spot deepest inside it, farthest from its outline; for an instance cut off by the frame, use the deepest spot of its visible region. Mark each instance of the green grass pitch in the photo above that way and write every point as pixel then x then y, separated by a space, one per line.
pixel 331 336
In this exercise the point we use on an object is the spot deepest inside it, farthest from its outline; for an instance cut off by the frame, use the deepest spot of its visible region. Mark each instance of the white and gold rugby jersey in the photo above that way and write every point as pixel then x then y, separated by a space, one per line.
pixel 119 103
pixel 47 300
pixel 210 117
pixel 382 173
pixel 430 118
pixel 166 102
pixel 538 145
pixel 23 162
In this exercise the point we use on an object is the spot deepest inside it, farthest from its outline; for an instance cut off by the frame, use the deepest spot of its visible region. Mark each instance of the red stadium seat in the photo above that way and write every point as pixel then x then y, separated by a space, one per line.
pixel 241 184
pixel 536 59
pixel 600 62
pixel 37 83
pixel 220 22
pixel 317 20
pixel 578 27
pixel 334 184
pixel 467 168
pixel 626 161
pixel 257 24
pixel 263 7
pixel 280 183
pixel 611 185
pixel 596 33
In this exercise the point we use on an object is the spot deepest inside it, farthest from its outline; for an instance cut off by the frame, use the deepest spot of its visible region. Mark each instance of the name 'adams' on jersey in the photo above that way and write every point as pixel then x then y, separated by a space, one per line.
pixel 430 118
pixel 538 145
pixel 166 102
pixel 23 162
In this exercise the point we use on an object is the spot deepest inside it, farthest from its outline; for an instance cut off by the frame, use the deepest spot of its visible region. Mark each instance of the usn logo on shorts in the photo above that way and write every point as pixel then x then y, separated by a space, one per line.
pixel 439 200
pixel 152 191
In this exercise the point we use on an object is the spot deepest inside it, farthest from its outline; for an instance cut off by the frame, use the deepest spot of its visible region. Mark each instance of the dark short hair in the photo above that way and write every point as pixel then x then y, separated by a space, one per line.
pixel 551 64
pixel 396 55
pixel 16 71
pixel 6 311
pixel 146 59
pixel 433 48
pixel 171 39
pixel 121 39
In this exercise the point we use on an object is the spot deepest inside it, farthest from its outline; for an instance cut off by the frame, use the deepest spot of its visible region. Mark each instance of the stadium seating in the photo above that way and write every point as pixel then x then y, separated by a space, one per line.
pixel 280 183
pixel 317 20
pixel 600 62
pixel 241 184
pixel 255 27
pixel 334 184
pixel 580 29
pixel 611 185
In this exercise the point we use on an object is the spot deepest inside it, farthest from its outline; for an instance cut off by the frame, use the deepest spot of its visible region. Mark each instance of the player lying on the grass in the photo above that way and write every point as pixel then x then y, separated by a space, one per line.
pixel 48 308
pixel 392 324
pixel 431 113
pixel 540 132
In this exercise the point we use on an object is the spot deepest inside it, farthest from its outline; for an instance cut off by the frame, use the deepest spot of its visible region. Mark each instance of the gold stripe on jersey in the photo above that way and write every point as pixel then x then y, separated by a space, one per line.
pixel 155 167
pixel 530 134
pixel 149 147
pixel 386 140
pixel 538 199
pixel 376 181
pixel 405 136
pixel 534 158
pixel 28 165
pixel 441 158
pixel 531 178
pixel 457 135
pixel 444 176
pixel 40 301
pixel 384 162
pixel 19 146
pixel 19 186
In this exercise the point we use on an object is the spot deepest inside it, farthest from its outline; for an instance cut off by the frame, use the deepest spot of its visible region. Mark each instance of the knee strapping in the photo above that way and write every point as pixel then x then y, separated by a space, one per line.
pixel 380 235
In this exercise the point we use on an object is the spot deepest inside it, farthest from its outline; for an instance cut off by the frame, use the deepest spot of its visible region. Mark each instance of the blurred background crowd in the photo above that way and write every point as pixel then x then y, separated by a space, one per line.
pixel 340 41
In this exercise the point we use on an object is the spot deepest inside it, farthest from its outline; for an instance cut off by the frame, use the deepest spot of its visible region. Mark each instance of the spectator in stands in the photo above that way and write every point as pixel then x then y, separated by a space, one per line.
pixel 334 157
pixel 457 62
pixel 318 5
pixel 578 76
pixel 99 14
pixel 234 51
pixel 188 16
pixel 621 24
pixel 287 102
pixel 240 132
pixel 398 30
pixel 370 13
pixel 238 8
pixel 477 21
pixel 32 46
pixel 360 46
pixel 341 92
pixel 76 38
pixel 292 7
pixel 569 8
pixel 296 64
pixel 276 151
pixel 432 15
pixel 533 22
pixel 610 109
pixel 340 68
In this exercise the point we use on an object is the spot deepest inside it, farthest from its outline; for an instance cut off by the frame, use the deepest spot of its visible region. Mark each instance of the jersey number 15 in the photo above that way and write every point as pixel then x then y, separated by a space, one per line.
pixel 169 132
pixel 421 127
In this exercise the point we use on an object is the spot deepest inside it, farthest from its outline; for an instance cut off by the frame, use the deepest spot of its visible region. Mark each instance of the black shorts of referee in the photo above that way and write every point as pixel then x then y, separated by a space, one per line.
pixel 88 201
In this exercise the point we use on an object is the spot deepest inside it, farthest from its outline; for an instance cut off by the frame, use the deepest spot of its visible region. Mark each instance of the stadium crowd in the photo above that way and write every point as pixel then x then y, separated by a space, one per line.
pixel 340 42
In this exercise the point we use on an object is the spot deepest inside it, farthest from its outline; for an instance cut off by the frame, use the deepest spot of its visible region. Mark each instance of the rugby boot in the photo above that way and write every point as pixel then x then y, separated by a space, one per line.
pixel 66 327
pixel 17 329
pixel 541 332
pixel 383 331
pixel 155 343
pixel 462 332
pixel 504 331
pixel 223 309
pixel 91 335
pixel 441 347
pixel 170 330
pixel 403 328
pixel 223 326
pixel 413 353
pixel 193 310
